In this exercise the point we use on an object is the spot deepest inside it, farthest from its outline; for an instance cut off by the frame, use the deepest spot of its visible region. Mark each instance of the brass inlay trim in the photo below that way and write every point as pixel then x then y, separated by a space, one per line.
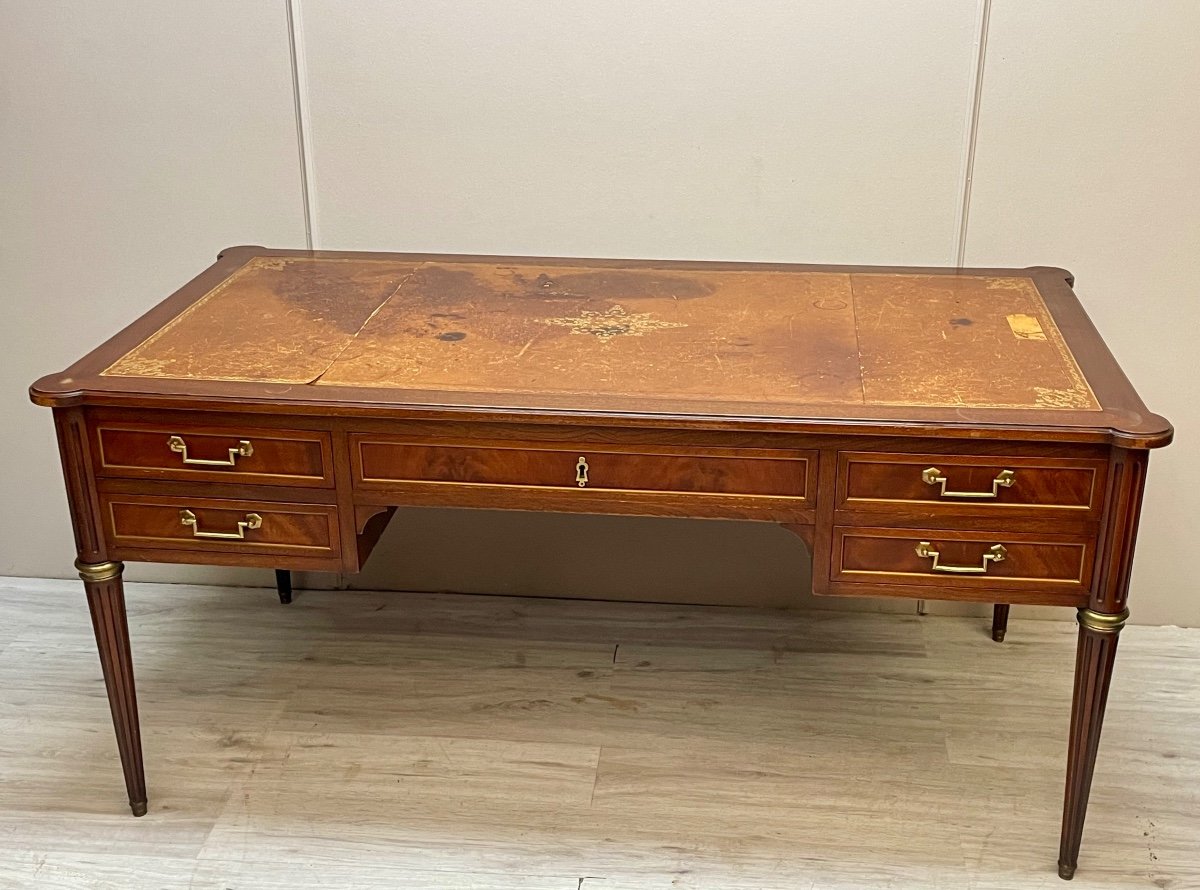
pixel 94 572
pixel 1102 622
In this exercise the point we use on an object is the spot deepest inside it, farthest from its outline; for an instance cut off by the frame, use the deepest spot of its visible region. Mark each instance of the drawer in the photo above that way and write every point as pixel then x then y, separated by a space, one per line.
pixel 215 525
pixel 961 559
pixel 213 454
pixel 969 485
pixel 381 462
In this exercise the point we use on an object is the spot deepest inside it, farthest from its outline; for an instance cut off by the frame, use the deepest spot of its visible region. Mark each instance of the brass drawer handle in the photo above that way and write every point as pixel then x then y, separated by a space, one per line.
pixel 1004 479
pixel 252 521
pixel 995 553
pixel 581 471
pixel 242 449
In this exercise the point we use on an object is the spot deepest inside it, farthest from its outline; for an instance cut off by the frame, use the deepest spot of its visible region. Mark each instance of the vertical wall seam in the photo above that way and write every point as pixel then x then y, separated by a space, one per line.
pixel 300 101
pixel 301 109
pixel 972 134
pixel 968 156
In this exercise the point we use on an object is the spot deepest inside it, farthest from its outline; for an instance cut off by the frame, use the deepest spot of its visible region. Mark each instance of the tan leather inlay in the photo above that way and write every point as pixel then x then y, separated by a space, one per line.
pixel 755 336
pixel 948 340
pixel 720 335
pixel 274 320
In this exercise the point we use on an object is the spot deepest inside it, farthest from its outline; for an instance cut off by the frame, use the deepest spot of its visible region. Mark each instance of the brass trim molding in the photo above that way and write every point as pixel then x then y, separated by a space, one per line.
pixel 95 572
pixel 1102 622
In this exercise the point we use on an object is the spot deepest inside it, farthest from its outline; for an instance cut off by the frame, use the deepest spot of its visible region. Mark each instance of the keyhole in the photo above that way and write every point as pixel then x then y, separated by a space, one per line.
pixel 581 472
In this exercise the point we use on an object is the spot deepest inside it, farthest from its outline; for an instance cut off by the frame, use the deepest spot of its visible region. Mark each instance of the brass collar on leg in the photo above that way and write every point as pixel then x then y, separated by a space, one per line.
pixel 1102 622
pixel 99 571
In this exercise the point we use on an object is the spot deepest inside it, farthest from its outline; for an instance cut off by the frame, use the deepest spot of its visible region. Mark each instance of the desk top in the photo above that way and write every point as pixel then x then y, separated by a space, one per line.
pixel 775 344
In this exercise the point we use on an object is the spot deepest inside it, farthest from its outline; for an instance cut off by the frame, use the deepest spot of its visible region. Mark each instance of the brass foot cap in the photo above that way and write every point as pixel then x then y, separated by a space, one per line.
pixel 138 807
pixel 1066 872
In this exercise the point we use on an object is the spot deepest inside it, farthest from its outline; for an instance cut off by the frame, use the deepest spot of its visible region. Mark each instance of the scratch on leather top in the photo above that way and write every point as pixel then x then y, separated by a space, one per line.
pixel 755 335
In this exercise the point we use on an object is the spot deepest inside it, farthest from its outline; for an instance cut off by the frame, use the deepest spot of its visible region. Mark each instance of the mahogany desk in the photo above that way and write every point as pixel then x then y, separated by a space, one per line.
pixel 933 433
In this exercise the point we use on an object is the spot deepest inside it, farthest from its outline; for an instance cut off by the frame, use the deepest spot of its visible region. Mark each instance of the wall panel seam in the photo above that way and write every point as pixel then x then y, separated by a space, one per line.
pixel 301 104
pixel 972 133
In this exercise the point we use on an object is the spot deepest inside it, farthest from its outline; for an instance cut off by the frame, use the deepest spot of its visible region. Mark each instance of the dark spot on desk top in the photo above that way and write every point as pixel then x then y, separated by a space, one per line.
pixel 452 336
pixel 961 322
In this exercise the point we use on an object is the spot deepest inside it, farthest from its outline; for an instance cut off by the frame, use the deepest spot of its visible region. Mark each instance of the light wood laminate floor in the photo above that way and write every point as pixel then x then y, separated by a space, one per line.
pixel 384 740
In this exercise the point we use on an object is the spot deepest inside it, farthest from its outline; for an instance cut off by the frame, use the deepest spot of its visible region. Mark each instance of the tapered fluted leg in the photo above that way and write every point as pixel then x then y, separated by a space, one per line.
pixel 106 600
pixel 283 583
pixel 999 621
pixel 1094 657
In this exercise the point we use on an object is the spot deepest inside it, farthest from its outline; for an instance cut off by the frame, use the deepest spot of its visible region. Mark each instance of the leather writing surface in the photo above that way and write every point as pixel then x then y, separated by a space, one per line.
pixel 282 319
pixel 961 340
pixel 753 335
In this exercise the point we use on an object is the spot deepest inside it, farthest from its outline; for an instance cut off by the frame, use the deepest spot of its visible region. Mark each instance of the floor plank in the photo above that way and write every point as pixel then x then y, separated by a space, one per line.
pixel 363 740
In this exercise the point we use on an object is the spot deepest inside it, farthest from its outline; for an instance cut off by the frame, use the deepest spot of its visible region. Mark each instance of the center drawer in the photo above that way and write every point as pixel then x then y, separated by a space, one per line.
pixel 380 462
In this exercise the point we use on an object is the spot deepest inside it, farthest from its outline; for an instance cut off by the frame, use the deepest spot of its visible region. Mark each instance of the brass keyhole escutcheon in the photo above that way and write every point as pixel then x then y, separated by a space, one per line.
pixel 581 472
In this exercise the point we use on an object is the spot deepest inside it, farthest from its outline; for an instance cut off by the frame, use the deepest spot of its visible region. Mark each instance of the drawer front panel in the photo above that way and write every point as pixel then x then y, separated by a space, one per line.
pixel 279 457
pixel 732 472
pixel 212 525
pixel 970 485
pixel 961 559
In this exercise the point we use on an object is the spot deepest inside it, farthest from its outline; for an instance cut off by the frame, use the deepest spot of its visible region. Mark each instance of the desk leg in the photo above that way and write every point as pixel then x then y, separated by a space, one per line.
pixel 999 621
pixel 283 583
pixel 106 599
pixel 1094 657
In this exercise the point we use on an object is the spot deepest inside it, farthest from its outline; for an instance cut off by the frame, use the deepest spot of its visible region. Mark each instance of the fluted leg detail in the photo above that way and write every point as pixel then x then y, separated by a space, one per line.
pixel 106 600
pixel 1094 658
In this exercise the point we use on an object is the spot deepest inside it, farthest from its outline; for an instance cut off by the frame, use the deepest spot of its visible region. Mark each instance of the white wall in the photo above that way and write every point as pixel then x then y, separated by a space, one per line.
pixel 136 140
pixel 139 138
pixel 668 129
pixel 1089 157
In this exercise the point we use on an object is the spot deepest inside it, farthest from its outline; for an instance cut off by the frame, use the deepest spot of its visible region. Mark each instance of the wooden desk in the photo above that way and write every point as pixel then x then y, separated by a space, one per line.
pixel 930 433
